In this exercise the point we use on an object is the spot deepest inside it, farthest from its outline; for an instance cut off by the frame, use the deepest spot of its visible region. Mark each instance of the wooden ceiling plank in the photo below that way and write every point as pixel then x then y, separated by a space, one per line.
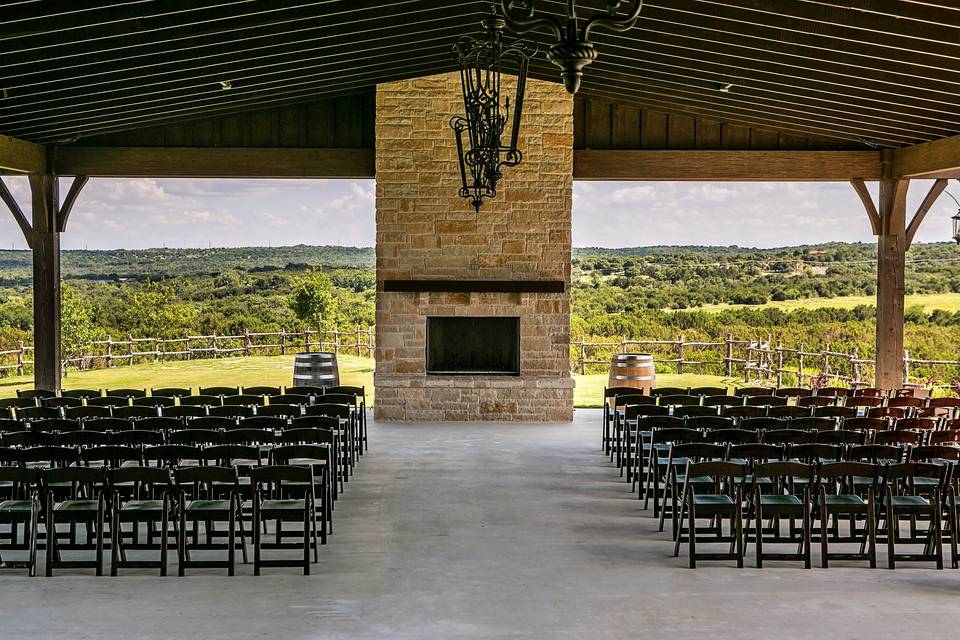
pixel 720 166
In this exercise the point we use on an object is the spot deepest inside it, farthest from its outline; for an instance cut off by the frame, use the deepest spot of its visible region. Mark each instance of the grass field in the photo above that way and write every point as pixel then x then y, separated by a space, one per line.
pixel 927 301
pixel 278 370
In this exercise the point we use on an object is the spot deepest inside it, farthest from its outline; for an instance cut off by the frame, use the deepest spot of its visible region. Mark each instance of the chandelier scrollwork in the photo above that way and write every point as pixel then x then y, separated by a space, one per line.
pixel 481 150
pixel 573 50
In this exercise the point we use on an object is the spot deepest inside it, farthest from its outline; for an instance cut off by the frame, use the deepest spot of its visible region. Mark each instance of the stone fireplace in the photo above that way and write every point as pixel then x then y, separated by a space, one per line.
pixel 510 261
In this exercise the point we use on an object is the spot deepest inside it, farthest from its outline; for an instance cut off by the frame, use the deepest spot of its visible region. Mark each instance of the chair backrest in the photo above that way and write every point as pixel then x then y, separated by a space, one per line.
pixel 722 401
pixel 631 411
pixel 901 478
pixel 675 435
pixel 326 409
pixel 785 474
pixel 815 452
pixel 691 411
pixel 864 424
pixel 17 403
pixel 248 436
pixel 184 411
pixel 752 391
pixel 55 456
pixel 211 422
pixel 108 401
pixel 898 437
pixel 135 412
pixel 84 439
pixel 273 423
pixel 316 422
pixel 194 437
pixel 953 403
pixel 934 452
pixel 624 399
pixel 244 399
pixel 864 401
pixel 202 478
pixel 91 477
pixel 834 392
pixel 21 478
pixel 278 474
pixel 81 393
pixel 111 455
pixel 350 390
pixel 842 436
pixel 35 393
pixel 814 424
pixel 840 475
pixel 334 398
pixel 58 425
pixel 667 391
pixel 708 391
pixel 308 454
pixel 944 436
pixel 163 423
pixel 916 424
pixel 107 424
pixel 202 400
pixel 306 435
pixel 154 401
pixel 679 400
pixel 871 391
pixel 875 453
pixel 731 436
pixel 697 451
pixel 137 438
pixel 58 401
pixel 127 393
pixel 232 411
pixel 788 436
pixel 295 398
pixel 280 410
pixel 87 412
pixel 722 472
pixel 261 391
pixel 171 392
pixel 906 401
pixel 794 392
pixel 835 412
pixel 817 401
pixel 219 391
pixel 648 423
pixel 709 422
pixel 742 411
pixel 12 424
pixel 754 452
pixel 888 412
pixel 755 424
pixel 29 439
pixel 765 401
pixel 37 413
pixel 304 390
pixel 788 411
pixel 170 454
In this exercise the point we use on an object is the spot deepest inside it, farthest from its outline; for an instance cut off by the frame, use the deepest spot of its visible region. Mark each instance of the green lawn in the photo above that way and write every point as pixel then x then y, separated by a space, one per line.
pixel 927 301
pixel 278 370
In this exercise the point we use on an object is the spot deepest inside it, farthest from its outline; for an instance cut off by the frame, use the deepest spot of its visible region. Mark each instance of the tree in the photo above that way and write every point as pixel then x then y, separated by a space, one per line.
pixel 312 300
pixel 76 323
pixel 154 311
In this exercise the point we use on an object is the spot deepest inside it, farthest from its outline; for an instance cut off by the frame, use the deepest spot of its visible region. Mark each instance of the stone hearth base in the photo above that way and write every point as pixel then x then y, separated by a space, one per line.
pixel 471 398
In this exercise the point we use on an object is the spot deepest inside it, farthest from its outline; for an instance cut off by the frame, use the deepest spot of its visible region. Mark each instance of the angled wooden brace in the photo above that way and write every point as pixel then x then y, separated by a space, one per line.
pixel 17 212
pixel 75 188
pixel 938 187
pixel 874 216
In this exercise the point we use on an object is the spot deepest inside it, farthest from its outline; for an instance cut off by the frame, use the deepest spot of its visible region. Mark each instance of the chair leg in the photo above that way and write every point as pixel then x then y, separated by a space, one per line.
pixel 824 526
pixel 116 539
pixel 807 534
pixel 893 526
pixel 738 532
pixel 758 527
pixel 232 540
pixel 307 519
pixel 954 556
pixel 872 529
pixel 164 535
pixel 692 536
pixel 34 524
pixel 51 537
pixel 182 543
pixel 256 534
pixel 101 513
pixel 936 530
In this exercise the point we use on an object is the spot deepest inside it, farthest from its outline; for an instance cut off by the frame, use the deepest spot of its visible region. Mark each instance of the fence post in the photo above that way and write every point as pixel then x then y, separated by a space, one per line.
pixel 856 367
pixel 336 341
pixel 157 353
pixel 800 365
pixel 19 357
pixel 283 342
pixel 246 341
pixel 779 371
pixel 358 341
pixel 214 340
pixel 130 348
pixel 728 360
pixel 825 368
pixel 188 347
pixel 583 355
pixel 680 354
pixel 906 367
pixel 369 343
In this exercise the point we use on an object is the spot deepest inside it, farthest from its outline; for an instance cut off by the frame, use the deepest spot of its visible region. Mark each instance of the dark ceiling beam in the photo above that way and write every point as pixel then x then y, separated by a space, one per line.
pixel 936 159
pixel 20 156
pixel 726 166
pixel 223 162
pixel 273 91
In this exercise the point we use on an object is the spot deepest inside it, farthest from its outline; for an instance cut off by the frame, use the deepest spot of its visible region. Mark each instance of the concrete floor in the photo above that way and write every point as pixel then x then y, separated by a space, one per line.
pixel 490 531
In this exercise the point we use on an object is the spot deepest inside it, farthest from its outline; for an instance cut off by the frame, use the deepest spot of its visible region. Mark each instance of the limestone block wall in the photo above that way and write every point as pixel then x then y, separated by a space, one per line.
pixel 426 231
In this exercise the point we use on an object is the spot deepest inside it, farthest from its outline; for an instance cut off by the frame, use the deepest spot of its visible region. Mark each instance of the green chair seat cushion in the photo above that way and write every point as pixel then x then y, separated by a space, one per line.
pixel 291 504
pixel 76 505
pixel 780 501
pixel 712 499
pixel 142 505
pixel 681 478
pixel 15 505
pixel 207 505
pixel 909 501
pixel 845 500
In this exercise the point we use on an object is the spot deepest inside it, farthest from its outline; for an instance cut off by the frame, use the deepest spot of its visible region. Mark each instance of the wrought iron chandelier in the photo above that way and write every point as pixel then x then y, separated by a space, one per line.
pixel 955 219
pixel 573 49
pixel 481 150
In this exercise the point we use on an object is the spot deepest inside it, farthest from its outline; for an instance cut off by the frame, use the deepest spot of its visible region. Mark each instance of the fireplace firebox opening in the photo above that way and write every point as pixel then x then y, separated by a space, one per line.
pixel 458 345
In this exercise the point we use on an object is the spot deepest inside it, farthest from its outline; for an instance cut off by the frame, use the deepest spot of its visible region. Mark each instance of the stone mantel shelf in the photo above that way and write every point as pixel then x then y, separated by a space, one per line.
pixel 476 286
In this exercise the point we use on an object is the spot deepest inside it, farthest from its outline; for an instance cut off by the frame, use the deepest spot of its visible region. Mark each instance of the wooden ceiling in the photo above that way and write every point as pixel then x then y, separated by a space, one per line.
pixel 870 73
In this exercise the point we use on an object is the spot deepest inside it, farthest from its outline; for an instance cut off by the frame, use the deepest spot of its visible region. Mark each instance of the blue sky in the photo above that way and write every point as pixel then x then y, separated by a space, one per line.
pixel 138 213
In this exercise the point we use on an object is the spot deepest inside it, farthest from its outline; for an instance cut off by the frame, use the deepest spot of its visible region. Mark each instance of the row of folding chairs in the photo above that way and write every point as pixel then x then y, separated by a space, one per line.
pixel 180 392
pixel 784 507
pixel 137 508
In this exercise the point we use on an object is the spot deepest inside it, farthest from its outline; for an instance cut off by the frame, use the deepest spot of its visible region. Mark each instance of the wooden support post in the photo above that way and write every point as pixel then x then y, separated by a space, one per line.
pixel 680 354
pixel 46 282
pixel 246 341
pixel 20 351
pixel 888 220
pixel 583 355
pixel 358 341
pixel 129 348
pixel 779 371
pixel 728 369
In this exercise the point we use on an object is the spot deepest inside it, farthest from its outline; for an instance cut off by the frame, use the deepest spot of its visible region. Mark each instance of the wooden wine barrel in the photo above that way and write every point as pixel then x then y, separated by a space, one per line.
pixel 316 369
pixel 632 370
